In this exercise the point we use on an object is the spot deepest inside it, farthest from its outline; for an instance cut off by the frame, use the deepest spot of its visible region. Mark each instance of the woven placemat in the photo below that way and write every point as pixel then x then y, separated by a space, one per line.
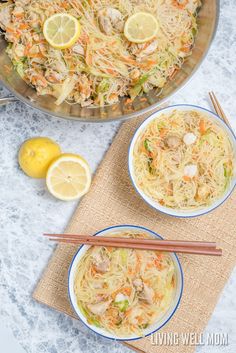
pixel 112 201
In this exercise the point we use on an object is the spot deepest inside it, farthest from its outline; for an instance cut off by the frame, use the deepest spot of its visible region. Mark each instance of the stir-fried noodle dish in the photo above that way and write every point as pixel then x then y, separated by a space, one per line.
pixel 124 291
pixel 105 63
pixel 183 160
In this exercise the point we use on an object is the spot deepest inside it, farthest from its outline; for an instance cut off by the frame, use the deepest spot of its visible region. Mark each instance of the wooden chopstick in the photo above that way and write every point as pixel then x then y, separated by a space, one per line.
pixel 155 242
pixel 219 111
pixel 199 248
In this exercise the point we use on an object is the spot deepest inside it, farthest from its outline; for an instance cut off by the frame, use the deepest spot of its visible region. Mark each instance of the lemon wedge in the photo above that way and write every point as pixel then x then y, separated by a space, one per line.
pixel 141 27
pixel 68 177
pixel 36 154
pixel 61 30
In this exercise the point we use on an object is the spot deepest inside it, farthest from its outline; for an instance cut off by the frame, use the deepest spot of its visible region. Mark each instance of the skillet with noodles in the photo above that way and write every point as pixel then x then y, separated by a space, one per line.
pixel 103 64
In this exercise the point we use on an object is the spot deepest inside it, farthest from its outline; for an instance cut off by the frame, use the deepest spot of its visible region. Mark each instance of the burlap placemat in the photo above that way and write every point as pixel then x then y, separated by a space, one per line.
pixel 112 201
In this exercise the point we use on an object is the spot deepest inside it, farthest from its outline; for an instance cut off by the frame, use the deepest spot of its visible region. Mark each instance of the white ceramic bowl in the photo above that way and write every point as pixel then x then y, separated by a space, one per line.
pixel 176 212
pixel 161 322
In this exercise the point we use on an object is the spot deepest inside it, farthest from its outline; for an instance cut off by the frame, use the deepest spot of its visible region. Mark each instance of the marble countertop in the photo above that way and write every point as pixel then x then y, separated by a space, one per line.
pixel 26 209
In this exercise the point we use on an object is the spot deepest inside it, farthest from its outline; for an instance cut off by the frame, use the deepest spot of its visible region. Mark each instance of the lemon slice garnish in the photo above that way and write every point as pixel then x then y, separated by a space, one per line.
pixel 141 27
pixel 61 30
pixel 68 177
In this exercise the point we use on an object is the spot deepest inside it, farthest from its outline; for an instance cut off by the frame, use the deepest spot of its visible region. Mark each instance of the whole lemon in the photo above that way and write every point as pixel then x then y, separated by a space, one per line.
pixel 36 154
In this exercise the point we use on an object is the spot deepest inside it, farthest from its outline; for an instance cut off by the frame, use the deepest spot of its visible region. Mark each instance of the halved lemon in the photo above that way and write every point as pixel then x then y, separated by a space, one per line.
pixel 61 30
pixel 141 27
pixel 68 177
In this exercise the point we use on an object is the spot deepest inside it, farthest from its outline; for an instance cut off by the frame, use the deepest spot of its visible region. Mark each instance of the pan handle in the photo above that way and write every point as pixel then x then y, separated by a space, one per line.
pixel 7 100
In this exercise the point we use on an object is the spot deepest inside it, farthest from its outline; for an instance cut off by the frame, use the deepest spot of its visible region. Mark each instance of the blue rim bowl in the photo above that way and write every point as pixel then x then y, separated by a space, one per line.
pixel 155 327
pixel 178 212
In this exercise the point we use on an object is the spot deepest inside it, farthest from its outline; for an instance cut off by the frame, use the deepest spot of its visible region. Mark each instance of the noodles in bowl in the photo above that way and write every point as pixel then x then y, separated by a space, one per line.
pixel 183 160
pixel 125 293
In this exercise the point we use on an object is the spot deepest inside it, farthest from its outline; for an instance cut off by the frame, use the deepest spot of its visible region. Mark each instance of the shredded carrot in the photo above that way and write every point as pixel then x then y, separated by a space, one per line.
pixel 159 256
pixel 180 5
pixel 112 72
pixel 149 265
pixel 19 15
pixel 158 264
pixel 128 101
pixel 23 26
pixel 186 178
pixel 126 290
pixel 110 249
pixel 202 126
pixel 158 296
pixel 35 55
pixel 93 270
pixel 143 99
pixel 163 131
pixel 138 265
pixel 27 48
pixel 140 319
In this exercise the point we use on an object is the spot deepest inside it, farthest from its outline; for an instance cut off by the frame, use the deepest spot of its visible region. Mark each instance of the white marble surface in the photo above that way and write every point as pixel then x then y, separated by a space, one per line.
pixel 26 210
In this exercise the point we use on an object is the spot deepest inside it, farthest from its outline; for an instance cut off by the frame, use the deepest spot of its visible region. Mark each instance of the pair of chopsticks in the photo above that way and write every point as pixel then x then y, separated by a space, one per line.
pixel 180 246
pixel 219 111
pixel 187 247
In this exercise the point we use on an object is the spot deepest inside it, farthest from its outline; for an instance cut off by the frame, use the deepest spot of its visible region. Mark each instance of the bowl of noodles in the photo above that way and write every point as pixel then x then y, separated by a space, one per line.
pixel 125 294
pixel 105 75
pixel 182 161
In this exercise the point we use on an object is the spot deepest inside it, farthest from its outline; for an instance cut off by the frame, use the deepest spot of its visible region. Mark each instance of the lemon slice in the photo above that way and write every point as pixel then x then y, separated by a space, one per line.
pixel 61 30
pixel 141 27
pixel 68 177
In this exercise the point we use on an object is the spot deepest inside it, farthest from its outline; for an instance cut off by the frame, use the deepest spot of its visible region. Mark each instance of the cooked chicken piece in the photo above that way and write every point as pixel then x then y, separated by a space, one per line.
pixel 189 138
pixel 110 19
pixel 148 294
pixel 138 283
pixel 97 285
pixel 78 49
pixel 5 15
pixel 99 308
pixel 141 50
pixel 134 75
pixel 20 50
pixel 121 297
pixel 172 141
pixel 18 11
pixel 190 170
pixel 53 76
pixel 57 63
pixel 203 191
pixel 134 314
pixel 100 262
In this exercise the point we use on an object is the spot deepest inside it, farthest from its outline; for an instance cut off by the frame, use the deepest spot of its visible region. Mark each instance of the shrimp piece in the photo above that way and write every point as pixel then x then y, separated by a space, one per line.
pixel 110 19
